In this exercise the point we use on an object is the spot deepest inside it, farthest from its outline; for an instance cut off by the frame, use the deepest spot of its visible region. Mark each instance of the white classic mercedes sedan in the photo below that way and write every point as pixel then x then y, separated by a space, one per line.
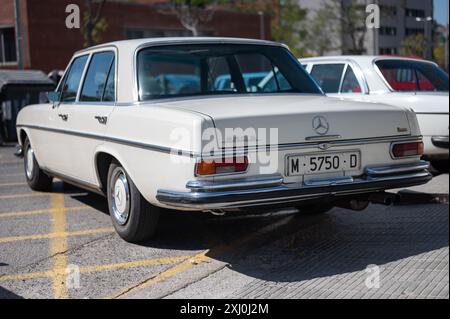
pixel 181 123
pixel 401 81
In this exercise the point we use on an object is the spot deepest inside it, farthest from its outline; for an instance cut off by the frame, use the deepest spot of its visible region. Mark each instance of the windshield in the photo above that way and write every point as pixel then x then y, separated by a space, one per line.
pixel 410 75
pixel 209 69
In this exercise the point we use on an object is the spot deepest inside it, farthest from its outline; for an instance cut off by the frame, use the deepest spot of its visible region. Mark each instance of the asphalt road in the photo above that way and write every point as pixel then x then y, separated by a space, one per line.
pixel 61 245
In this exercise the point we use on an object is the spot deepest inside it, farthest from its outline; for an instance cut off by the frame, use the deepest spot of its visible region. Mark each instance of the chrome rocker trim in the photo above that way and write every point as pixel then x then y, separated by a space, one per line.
pixel 270 190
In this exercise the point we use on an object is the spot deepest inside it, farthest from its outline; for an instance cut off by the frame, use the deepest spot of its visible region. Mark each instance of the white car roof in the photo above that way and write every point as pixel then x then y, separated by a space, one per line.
pixel 180 40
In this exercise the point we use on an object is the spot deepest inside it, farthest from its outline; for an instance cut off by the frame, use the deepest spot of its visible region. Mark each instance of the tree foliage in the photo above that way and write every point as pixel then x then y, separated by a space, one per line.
pixel 93 22
pixel 414 45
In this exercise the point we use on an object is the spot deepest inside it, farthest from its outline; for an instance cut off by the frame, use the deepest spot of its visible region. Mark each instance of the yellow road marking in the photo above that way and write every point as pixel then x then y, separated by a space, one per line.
pixel 58 247
pixel 98 268
pixel 40 211
pixel 13 184
pixel 201 258
pixel 56 235
pixel 12 175
pixel 13 196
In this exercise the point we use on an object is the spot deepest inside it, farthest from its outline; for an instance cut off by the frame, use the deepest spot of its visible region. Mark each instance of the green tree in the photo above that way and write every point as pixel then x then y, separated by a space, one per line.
pixel 287 19
pixel 93 22
pixel 414 45
pixel 322 32
pixel 191 13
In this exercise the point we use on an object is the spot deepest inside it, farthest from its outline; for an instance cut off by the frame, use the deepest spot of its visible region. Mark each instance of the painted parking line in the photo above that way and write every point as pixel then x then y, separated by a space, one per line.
pixel 56 235
pixel 12 184
pixel 201 258
pixel 58 247
pixel 41 211
pixel 97 268
pixel 16 196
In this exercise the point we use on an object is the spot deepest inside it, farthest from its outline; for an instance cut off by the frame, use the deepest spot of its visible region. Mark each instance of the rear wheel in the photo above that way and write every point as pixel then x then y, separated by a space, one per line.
pixel 36 178
pixel 134 219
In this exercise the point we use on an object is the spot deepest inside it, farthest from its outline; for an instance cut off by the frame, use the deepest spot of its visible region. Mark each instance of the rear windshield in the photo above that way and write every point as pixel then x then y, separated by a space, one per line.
pixel 408 75
pixel 210 69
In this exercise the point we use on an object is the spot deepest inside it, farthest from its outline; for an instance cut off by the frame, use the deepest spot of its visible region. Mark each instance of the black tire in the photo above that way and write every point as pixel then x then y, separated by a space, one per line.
pixel 36 178
pixel 136 219
pixel 318 209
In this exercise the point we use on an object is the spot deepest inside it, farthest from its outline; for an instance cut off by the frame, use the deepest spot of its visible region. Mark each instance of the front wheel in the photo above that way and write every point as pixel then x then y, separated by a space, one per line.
pixel 36 178
pixel 134 219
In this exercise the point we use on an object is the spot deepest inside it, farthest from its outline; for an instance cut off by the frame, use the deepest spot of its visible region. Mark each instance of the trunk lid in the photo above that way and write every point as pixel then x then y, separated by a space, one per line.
pixel 302 118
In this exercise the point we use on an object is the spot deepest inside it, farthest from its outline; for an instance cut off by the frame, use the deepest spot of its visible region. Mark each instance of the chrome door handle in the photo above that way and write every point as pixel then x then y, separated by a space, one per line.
pixel 64 117
pixel 102 119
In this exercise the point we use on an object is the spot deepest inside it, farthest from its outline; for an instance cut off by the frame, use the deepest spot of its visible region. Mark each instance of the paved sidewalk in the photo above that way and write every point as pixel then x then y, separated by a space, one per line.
pixel 407 245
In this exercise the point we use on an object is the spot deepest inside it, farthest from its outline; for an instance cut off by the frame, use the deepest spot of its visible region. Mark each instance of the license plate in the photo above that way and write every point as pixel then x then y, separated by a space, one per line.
pixel 322 163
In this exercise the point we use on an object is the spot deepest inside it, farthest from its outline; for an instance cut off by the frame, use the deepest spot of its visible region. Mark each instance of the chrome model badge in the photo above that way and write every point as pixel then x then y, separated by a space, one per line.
pixel 320 125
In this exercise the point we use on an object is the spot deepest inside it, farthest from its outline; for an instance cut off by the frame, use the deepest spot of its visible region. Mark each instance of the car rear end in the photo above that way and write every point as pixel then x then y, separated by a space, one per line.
pixel 332 151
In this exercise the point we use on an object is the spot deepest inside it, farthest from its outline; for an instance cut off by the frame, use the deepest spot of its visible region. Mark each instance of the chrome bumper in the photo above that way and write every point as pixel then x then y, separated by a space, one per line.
pixel 270 190
pixel 440 141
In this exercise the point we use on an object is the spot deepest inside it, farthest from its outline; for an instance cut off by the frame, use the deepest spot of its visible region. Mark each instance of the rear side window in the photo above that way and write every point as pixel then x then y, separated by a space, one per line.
pixel 328 76
pixel 73 79
pixel 97 77
pixel 350 83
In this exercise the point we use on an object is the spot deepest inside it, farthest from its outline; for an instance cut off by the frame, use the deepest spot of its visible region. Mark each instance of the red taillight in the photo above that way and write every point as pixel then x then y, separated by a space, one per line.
pixel 407 149
pixel 222 166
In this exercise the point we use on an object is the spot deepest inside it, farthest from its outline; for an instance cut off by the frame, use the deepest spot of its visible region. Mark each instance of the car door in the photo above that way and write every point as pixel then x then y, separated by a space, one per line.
pixel 86 119
pixel 53 144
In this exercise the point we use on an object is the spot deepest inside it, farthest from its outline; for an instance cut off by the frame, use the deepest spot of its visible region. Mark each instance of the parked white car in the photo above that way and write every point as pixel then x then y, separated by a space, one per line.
pixel 117 126
pixel 418 84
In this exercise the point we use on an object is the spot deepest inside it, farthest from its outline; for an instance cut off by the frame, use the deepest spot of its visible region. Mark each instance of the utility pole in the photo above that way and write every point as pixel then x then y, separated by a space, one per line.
pixel 429 40
pixel 262 25
pixel 18 35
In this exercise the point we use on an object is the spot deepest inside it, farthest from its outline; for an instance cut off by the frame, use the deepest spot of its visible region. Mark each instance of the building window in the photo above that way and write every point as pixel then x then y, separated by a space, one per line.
pixel 414 31
pixel 388 31
pixel 388 51
pixel 415 13
pixel 388 11
pixel 7 45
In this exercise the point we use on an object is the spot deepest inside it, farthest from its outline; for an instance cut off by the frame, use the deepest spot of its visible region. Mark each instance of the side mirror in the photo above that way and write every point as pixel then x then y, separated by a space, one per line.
pixel 53 97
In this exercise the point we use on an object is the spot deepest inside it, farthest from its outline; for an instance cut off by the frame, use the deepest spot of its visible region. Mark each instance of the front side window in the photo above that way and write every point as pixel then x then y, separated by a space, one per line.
pixel 97 77
pixel 328 76
pixel 410 75
pixel 73 79
pixel 208 69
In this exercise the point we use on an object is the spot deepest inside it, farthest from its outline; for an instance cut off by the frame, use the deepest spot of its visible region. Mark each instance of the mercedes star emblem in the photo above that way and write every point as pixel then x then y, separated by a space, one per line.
pixel 320 125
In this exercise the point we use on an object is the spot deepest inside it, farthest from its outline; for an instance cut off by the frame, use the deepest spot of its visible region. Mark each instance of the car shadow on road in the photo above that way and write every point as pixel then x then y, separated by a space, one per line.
pixel 6 294
pixel 306 247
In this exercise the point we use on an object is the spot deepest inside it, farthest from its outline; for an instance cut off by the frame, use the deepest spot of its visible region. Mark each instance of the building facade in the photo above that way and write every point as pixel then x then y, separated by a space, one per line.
pixel 42 41
pixel 399 19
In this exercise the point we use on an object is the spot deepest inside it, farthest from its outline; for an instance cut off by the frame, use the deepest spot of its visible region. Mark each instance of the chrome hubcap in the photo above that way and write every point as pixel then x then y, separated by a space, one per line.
pixel 120 198
pixel 29 163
